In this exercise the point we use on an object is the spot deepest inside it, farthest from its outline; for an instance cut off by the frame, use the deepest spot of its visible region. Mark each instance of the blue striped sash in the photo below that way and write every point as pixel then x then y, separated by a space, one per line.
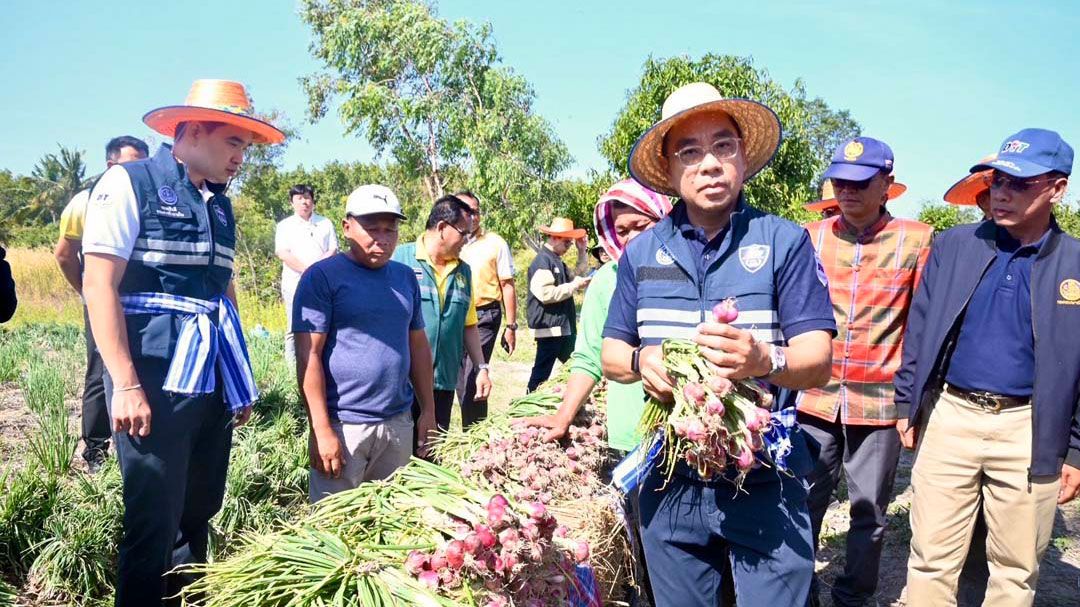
pixel 201 345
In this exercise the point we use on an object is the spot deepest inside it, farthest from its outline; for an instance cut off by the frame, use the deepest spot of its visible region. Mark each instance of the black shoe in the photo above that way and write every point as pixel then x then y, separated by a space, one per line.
pixel 94 461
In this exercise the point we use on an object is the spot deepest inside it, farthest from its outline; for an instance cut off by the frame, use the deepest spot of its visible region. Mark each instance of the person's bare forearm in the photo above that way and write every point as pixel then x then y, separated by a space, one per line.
pixel 106 314
pixel 615 357
pixel 421 371
pixel 67 257
pixel 472 345
pixel 578 388
pixel 509 297
pixel 292 261
pixel 312 378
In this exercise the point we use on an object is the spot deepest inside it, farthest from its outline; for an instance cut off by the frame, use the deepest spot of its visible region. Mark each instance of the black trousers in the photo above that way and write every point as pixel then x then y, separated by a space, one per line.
pixel 96 425
pixel 174 483
pixel 548 350
pixel 444 405
pixel 489 320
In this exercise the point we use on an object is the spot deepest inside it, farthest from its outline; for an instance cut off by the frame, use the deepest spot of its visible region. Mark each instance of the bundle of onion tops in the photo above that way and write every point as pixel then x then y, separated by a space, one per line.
pixel 425 536
pixel 715 425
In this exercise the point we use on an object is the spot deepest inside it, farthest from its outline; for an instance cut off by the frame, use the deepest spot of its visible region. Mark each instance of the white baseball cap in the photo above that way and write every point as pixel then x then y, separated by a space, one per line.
pixel 373 199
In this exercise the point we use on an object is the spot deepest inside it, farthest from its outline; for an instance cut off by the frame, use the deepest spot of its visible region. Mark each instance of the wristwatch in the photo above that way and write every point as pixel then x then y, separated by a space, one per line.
pixel 483 367
pixel 512 326
pixel 635 360
pixel 778 360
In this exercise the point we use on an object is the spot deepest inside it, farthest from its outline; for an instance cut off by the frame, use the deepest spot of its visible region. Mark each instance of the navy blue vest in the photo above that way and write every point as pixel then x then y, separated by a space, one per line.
pixel 185 247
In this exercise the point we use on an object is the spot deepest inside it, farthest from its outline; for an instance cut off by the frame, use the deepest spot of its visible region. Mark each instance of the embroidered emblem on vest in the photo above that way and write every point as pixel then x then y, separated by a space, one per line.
pixel 167 195
pixel 753 257
pixel 220 212
pixel 1070 292
pixel 170 211
pixel 663 257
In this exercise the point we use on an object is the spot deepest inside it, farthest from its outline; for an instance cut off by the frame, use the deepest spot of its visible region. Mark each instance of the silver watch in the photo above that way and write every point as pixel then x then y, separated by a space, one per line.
pixel 483 367
pixel 778 360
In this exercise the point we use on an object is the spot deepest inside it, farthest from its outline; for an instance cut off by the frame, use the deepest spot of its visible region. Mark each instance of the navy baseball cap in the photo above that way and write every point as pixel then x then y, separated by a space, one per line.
pixel 1031 152
pixel 860 159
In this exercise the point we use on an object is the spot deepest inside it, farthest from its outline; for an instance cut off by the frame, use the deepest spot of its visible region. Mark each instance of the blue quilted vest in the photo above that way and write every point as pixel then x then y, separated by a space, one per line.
pixel 185 247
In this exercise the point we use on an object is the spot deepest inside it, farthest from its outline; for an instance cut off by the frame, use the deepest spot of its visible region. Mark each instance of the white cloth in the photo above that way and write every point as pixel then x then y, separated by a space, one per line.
pixel 112 216
pixel 309 241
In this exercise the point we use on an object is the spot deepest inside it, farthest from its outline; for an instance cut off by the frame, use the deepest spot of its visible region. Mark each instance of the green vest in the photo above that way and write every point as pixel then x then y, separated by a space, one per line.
pixel 445 327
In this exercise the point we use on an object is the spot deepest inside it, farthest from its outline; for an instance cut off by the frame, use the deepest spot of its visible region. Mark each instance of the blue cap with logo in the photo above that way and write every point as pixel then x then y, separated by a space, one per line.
pixel 860 159
pixel 1031 152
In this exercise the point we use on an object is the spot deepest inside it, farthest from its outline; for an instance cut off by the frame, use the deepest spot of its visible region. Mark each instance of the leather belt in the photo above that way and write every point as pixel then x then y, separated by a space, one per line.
pixel 988 400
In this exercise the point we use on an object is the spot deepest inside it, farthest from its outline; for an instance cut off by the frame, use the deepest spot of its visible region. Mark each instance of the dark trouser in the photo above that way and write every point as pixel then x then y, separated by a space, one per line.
pixel 868 456
pixel 96 425
pixel 489 319
pixel 971 586
pixel 692 531
pixel 548 349
pixel 444 405
pixel 174 483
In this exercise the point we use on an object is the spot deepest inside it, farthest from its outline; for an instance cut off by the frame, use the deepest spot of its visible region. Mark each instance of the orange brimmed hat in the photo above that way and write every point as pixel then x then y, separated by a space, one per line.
pixel 759 129
pixel 563 228
pixel 828 197
pixel 966 191
pixel 214 101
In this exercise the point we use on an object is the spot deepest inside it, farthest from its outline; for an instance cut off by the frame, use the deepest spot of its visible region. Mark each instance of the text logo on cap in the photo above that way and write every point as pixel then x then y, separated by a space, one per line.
pixel 1015 147
pixel 853 150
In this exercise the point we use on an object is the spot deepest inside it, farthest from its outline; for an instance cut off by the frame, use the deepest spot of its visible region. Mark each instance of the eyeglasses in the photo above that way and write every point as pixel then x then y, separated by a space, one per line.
pixel 996 181
pixel 839 184
pixel 457 229
pixel 722 149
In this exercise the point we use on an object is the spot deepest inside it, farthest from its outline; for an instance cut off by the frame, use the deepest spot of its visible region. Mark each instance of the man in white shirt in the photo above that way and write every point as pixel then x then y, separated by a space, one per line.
pixel 301 239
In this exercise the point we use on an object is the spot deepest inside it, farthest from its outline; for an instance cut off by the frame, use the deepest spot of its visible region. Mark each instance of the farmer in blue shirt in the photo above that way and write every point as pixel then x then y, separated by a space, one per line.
pixel 988 385
pixel 714 246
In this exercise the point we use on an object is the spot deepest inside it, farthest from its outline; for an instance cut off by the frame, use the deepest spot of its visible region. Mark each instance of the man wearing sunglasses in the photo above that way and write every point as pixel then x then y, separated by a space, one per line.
pixel 873 261
pixel 447 301
pixel 988 385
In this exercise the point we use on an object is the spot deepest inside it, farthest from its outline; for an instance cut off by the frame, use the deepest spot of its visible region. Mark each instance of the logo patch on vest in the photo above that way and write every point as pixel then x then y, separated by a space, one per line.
pixel 167 195
pixel 222 218
pixel 753 257
pixel 663 257
pixel 171 211
pixel 1070 292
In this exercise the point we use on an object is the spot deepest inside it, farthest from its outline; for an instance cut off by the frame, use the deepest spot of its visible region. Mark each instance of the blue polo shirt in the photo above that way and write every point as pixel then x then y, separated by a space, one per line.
pixel 995 351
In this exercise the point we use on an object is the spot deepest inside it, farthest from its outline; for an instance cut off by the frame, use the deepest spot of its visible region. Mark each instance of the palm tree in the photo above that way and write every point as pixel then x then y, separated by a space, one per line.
pixel 56 179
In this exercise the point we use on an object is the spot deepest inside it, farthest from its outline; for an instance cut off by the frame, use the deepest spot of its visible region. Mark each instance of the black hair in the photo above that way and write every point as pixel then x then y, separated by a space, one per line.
pixel 302 189
pixel 182 127
pixel 112 149
pixel 450 209
pixel 467 193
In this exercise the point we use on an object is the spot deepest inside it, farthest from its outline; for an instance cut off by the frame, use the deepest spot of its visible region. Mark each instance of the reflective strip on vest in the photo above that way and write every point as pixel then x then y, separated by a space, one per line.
pixel 170 258
pixel 179 246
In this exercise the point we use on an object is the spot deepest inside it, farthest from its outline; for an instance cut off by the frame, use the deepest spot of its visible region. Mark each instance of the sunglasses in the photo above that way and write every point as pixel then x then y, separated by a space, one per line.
pixel 838 184
pixel 997 181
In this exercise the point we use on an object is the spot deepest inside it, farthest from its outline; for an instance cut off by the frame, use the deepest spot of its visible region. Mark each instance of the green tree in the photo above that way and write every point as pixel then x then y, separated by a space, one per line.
pixel 812 130
pixel 434 97
pixel 55 180
pixel 943 216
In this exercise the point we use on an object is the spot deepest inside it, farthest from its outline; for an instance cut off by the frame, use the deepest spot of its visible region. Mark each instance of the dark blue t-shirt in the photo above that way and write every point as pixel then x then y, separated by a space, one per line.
pixel 995 351
pixel 367 316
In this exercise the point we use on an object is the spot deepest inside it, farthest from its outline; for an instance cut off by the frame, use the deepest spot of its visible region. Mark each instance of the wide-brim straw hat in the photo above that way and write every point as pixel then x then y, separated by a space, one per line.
pixel 828 196
pixel 214 101
pixel 562 227
pixel 966 191
pixel 759 129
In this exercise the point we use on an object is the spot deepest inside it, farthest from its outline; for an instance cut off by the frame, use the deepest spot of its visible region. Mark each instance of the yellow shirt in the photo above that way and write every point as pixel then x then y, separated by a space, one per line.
pixel 491 262
pixel 73 218
pixel 441 282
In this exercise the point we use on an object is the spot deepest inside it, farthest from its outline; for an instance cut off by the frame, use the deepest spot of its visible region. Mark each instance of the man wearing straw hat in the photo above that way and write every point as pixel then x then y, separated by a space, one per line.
pixel 549 306
pixel 972 190
pixel 713 246
pixel 159 244
pixel 873 262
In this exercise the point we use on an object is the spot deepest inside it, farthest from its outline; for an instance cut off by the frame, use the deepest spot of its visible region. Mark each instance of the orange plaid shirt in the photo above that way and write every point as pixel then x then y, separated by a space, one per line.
pixel 872 277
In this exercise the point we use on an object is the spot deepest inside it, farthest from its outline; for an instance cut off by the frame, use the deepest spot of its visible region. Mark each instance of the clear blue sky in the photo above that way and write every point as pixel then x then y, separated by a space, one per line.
pixel 942 82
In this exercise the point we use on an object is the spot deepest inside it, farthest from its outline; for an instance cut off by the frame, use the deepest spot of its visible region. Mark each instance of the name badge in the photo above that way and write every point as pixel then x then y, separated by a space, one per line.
pixel 172 211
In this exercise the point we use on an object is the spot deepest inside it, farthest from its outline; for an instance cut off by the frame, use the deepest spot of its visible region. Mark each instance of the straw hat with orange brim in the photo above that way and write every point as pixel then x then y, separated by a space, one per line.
pixel 966 191
pixel 759 129
pixel 562 227
pixel 214 101
pixel 828 197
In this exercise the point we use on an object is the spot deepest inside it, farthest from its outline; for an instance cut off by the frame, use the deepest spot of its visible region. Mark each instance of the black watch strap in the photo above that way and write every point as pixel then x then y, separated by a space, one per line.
pixel 635 360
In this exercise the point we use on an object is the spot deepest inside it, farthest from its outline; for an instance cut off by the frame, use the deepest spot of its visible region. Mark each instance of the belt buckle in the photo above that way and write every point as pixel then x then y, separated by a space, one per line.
pixel 987 401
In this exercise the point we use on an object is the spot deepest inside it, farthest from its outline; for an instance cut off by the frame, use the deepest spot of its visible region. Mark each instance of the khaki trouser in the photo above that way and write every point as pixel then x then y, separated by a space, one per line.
pixel 372 452
pixel 967 454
